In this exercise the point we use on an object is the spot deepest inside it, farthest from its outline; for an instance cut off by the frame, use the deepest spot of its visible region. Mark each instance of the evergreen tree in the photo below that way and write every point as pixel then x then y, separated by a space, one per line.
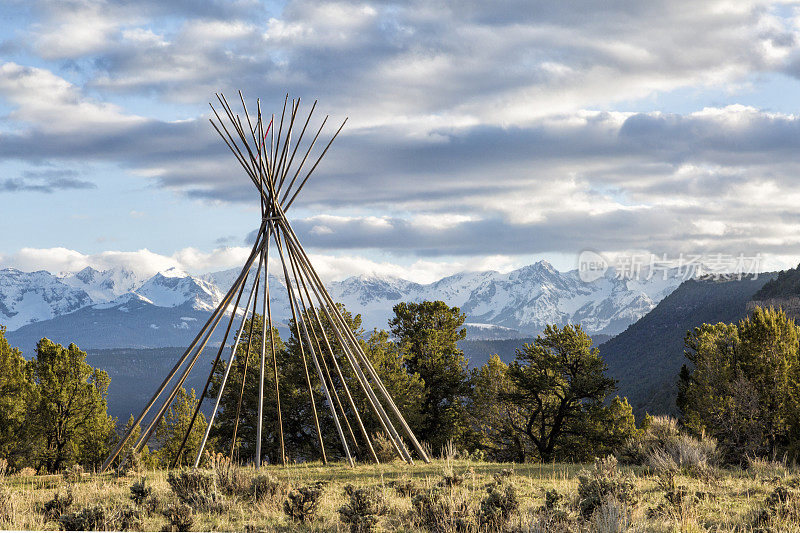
pixel 247 365
pixel 744 383
pixel 427 333
pixel 559 381
pixel 172 429
pixel 495 416
pixel 68 420
pixel 15 387
pixel 405 388
pixel 144 458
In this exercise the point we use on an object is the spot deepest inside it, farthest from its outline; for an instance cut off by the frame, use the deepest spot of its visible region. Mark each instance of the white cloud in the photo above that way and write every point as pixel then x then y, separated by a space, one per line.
pixel 48 101
pixel 337 267
pixel 76 28
pixel 54 260
pixel 330 267
pixel 455 108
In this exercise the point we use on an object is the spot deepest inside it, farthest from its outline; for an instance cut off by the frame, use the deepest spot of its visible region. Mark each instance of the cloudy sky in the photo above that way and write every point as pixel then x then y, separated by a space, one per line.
pixel 480 134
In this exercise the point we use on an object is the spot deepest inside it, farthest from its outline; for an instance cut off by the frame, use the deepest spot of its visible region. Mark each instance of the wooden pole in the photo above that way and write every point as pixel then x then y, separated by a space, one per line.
pixel 227 372
pixel 300 344
pixel 338 325
pixel 244 371
pixel 275 369
pixel 324 335
pixel 288 140
pixel 303 317
pixel 257 459
pixel 183 358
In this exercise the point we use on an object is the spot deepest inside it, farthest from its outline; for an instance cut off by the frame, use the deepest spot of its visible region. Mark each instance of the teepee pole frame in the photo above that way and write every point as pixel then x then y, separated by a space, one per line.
pixel 319 328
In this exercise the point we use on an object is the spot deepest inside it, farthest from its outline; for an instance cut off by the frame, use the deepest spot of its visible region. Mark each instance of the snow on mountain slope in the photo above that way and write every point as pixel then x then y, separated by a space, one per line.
pixel 27 297
pixel 174 288
pixel 523 301
pixel 478 331
pixel 103 286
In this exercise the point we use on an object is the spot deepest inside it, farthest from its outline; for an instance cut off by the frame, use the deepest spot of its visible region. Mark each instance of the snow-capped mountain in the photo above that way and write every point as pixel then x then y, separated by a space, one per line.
pixel 27 297
pixel 103 286
pixel 497 305
pixel 525 300
pixel 172 288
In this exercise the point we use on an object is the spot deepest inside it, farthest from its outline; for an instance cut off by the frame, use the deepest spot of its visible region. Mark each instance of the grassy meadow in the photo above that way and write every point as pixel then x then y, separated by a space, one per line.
pixel 446 495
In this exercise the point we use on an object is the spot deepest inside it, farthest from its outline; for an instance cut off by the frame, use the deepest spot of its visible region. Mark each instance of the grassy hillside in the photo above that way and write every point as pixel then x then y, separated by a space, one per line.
pixel 647 357
pixel 725 500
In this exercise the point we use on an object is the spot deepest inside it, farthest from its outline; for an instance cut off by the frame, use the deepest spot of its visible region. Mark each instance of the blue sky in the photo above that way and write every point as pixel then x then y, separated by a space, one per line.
pixel 480 135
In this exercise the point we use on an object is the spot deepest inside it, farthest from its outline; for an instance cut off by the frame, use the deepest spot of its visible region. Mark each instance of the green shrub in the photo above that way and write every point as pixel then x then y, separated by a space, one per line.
pixel 301 505
pixel 363 509
pixel 152 505
pixel 140 491
pixel 266 487
pixel 603 482
pixel 92 518
pixel 73 473
pixel 766 469
pixel 54 508
pixel 180 517
pixel 781 507
pixel 406 487
pixel 612 516
pixel 233 480
pixel 197 489
pixel 661 446
pixel 497 507
pixel 633 451
pixel 383 447
pixel 553 511
pixel 126 518
pixel 437 513
pixel 552 499
pixel 451 479
pixel 500 475
pixel 677 499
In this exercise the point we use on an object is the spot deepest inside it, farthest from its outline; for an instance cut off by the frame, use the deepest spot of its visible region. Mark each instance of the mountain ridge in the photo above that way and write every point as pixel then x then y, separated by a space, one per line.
pixel 646 358
pixel 517 304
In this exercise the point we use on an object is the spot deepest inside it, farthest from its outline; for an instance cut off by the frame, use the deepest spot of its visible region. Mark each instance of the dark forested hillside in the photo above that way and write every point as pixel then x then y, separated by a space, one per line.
pixel 136 374
pixel 479 351
pixel 786 284
pixel 782 292
pixel 135 324
pixel 647 357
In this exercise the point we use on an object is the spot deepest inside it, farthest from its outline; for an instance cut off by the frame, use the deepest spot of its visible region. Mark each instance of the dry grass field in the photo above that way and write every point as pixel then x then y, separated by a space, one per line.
pixel 446 495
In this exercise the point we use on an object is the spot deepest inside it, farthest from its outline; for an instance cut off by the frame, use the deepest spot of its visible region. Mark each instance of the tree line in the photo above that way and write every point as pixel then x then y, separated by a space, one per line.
pixel 554 402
